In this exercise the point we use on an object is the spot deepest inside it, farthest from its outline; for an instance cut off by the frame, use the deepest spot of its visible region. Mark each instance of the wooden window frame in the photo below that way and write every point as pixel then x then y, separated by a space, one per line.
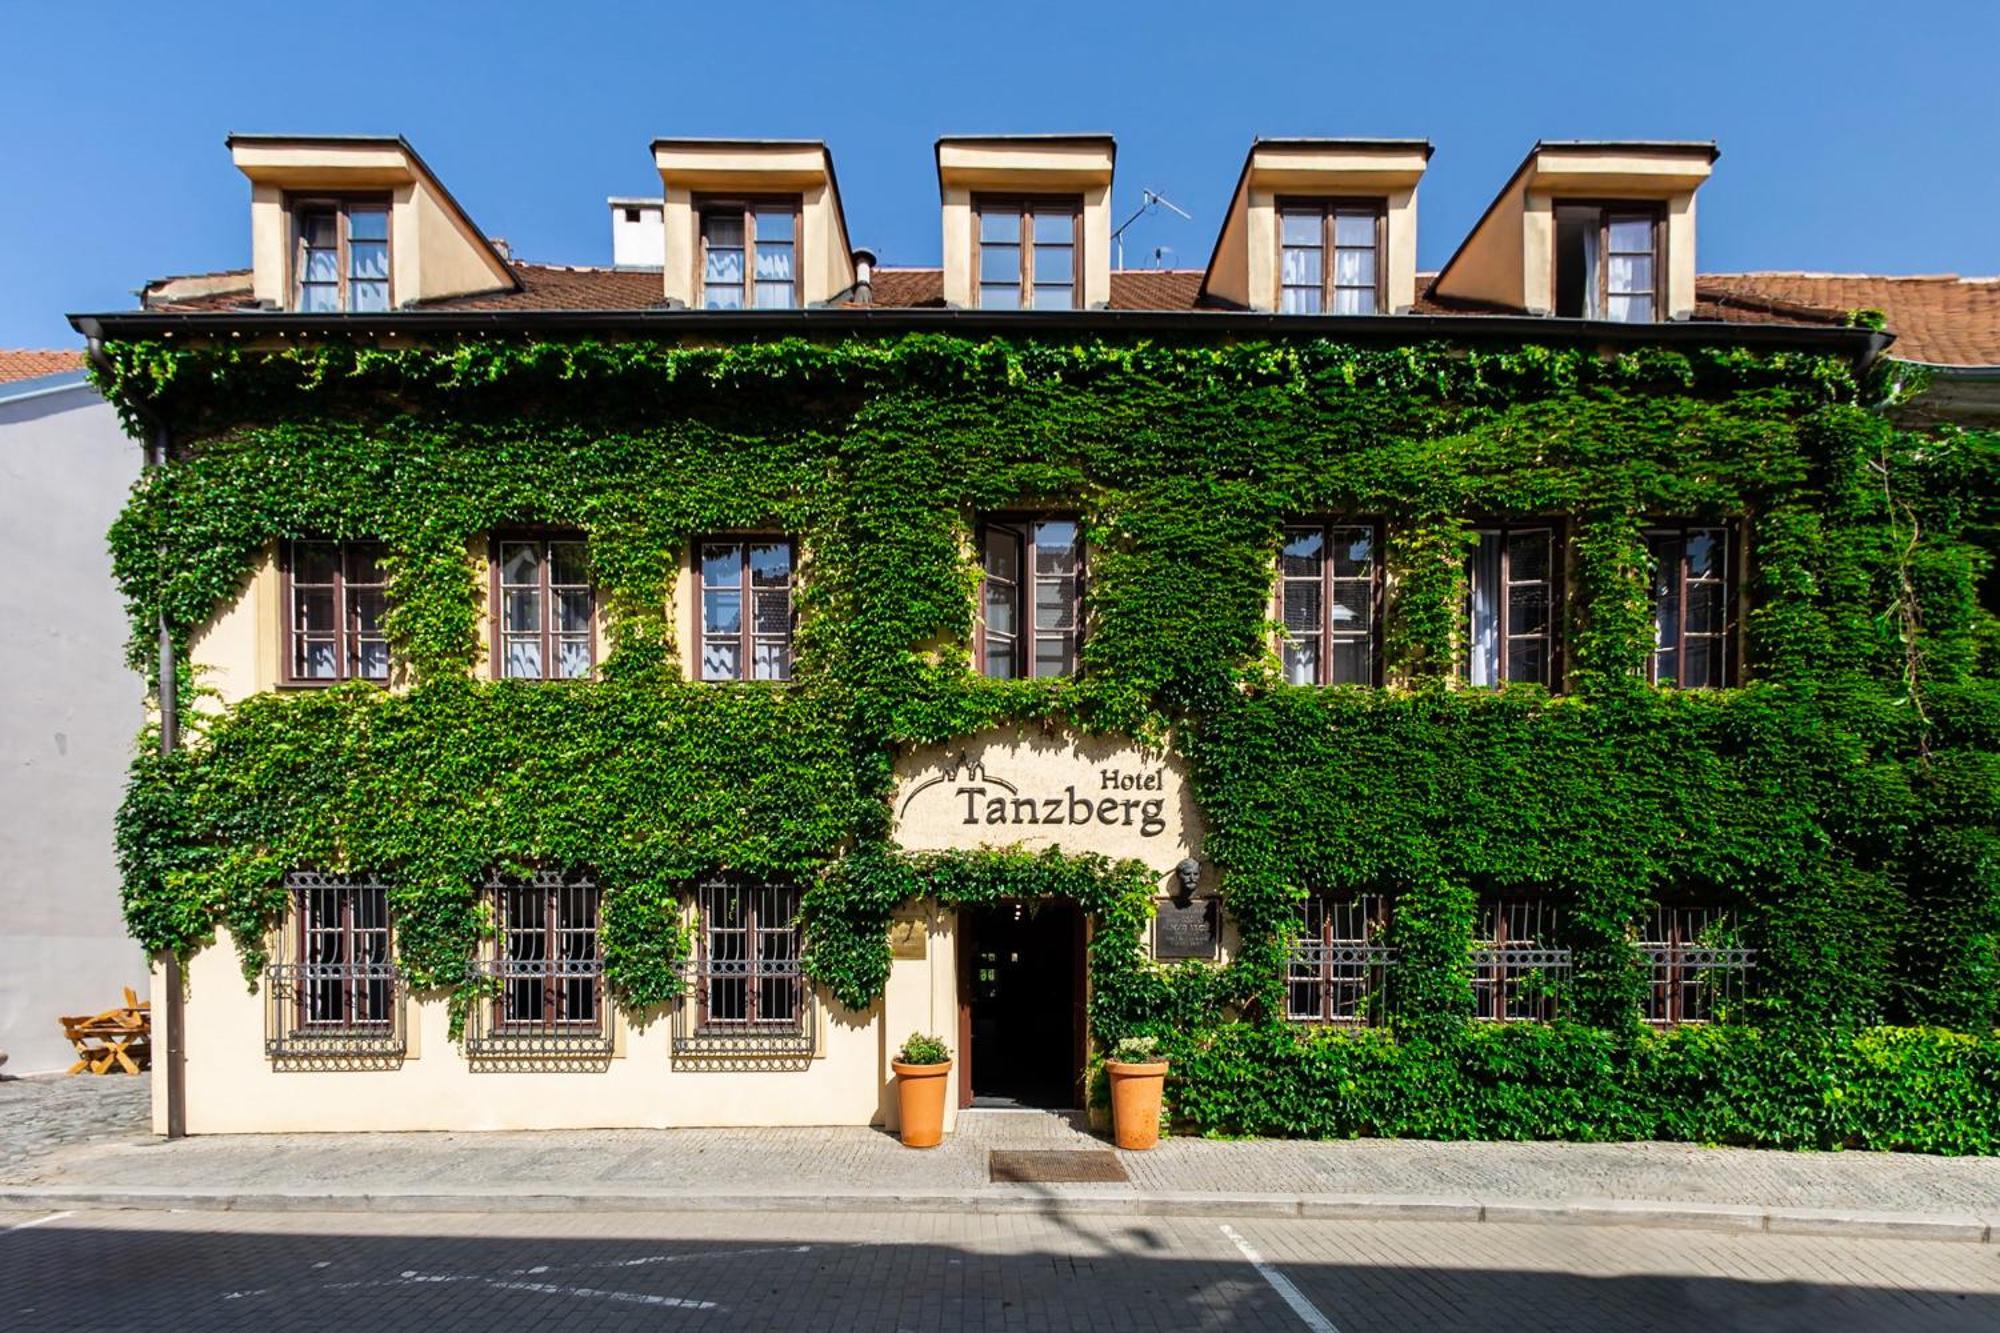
pixel 353 985
pixel 347 636
pixel 753 897
pixel 1329 210
pixel 1726 640
pixel 341 206
pixel 746 634
pixel 1025 206
pixel 546 590
pixel 1558 591
pixel 1327 635
pixel 1654 211
pixel 555 928
pixel 1333 976
pixel 1026 634
pixel 745 208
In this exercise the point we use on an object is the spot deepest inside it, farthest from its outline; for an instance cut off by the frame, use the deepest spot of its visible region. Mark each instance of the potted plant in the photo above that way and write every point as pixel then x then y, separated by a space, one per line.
pixel 1137 1081
pixel 923 1074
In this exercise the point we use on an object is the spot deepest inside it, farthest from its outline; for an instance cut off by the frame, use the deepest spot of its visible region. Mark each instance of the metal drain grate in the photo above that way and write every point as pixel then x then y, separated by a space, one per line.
pixel 1065 1166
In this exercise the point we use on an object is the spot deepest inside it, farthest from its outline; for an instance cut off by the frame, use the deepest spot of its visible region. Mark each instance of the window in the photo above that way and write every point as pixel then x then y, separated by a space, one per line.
pixel 751 980
pixel 1696 964
pixel 744 622
pixel 750 254
pixel 1607 262
pixel 342 257
pixel 1031 597
pixel 334 992
pixel 1513 584
pixel 1330 258
pixel 1518 970
pixel 1694 597
pixel 547 976
pixel 1027 251
pixel 336 595
pixel 543 608
pixel 1338 970
pixel 1329 589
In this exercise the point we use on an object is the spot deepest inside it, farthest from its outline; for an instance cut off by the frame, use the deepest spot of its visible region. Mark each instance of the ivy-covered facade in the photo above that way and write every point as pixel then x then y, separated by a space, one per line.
pixel 1833 805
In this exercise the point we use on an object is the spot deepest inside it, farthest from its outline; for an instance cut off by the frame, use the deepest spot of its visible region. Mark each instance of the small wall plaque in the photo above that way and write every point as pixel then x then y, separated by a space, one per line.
pixel 1186 930
pixel 907 937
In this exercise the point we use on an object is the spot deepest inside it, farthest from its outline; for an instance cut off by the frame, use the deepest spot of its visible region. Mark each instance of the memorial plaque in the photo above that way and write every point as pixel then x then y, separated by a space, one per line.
pixel 907 936
pixel 1186 929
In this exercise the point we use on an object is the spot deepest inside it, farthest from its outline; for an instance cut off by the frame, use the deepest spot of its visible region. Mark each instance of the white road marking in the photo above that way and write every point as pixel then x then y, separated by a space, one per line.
pixel 37 1221
pixel 1307 1312
pixel 630 1297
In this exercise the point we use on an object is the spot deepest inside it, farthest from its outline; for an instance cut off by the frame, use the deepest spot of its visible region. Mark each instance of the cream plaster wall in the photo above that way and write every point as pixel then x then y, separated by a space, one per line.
pixel 233 1088
pixel 235 655
pixel 1081 167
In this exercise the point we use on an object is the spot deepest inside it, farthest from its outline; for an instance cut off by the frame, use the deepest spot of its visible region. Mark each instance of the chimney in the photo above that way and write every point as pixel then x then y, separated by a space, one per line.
pixel 638 233
pixel 864 276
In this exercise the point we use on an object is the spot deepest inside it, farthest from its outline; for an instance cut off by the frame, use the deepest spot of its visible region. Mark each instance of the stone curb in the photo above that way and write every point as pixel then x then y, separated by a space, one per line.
pixel 1962 1227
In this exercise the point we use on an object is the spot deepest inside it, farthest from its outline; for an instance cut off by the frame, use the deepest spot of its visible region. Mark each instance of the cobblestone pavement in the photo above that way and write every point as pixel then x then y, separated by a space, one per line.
pixel 47 1112
pixel 793 1161
pixel 1014 1273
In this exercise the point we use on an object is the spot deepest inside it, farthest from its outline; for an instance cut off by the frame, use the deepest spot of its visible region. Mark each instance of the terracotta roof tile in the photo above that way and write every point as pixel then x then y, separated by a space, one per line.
pixel 31 365
pixel 1947 320
pixel 1944 319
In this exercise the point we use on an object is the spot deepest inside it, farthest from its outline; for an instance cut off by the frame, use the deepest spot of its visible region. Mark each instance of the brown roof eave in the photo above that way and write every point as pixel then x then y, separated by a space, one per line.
pixel 1863 344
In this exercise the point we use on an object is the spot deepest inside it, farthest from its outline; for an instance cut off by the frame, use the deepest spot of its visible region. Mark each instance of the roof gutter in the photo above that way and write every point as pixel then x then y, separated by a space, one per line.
pixel 1863 344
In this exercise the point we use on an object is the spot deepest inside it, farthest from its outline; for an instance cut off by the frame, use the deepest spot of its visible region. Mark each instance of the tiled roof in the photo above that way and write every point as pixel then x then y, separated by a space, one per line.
pixel 1947 320
pixel 31 365
pixel 1943 319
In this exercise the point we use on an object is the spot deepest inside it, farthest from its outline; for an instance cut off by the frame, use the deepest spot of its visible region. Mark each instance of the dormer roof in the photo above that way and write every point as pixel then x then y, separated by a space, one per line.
pixel 437 250
pixel 1506 262
pixel 1078 165
pixel 691 168
pixel 1241 269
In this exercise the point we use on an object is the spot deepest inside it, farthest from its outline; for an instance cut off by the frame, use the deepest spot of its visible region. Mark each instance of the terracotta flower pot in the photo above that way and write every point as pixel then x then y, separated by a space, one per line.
pixel 1135 1102
pixel 920 1091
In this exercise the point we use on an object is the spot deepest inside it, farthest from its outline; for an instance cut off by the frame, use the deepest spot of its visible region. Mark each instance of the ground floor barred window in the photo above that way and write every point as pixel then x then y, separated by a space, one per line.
pixel 1697 966
pixel 1518 967
pixel 544 980
pixel 750 995
pixel 334 987
pixel 1339 968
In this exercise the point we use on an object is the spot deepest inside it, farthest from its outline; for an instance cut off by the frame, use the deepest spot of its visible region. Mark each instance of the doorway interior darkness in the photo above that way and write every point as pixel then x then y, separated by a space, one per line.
pixel 1021 1019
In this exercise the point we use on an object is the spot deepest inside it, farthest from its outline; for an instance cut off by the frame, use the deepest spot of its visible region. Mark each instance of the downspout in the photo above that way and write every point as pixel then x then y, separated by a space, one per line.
pixel 159 443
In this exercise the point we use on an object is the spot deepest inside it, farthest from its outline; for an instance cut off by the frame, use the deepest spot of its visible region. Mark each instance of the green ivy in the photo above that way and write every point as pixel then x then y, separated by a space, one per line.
pixel 1844 801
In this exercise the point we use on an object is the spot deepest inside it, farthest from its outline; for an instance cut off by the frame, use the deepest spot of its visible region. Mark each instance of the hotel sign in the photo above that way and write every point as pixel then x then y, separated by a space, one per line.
pixel 1081 794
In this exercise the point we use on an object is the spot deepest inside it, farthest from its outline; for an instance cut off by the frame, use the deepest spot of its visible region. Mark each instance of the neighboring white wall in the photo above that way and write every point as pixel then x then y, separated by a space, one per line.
pixel 68 715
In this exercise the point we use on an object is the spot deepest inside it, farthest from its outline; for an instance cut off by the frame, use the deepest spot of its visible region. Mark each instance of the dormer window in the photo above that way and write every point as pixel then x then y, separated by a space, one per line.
pixel 1331 258
pixel 342 258
pixel 750 254
pixel 1607 262
pixel 1027 252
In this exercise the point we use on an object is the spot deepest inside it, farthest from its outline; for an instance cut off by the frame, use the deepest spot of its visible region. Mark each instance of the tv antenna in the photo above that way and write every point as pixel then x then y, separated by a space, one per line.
pixel 1150 201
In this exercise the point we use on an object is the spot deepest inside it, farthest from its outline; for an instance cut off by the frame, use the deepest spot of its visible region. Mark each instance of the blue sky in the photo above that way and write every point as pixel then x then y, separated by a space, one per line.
pixel 1855 137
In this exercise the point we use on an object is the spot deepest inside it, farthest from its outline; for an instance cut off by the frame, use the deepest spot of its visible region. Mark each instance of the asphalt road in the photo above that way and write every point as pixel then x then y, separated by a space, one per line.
pixel 377 1273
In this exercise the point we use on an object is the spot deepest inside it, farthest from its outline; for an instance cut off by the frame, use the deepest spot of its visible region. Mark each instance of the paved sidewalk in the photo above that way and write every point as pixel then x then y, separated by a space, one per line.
pixel 858 1169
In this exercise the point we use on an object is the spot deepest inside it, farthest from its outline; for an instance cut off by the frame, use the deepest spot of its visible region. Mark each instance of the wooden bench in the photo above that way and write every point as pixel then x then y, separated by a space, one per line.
pixel 120 1038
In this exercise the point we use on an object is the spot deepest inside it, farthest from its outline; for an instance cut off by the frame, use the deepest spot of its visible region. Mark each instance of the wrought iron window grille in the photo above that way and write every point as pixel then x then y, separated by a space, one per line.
pixel 1518 973
pixel 1696 971
pixel 1339 972
pixel 750 1005
pixel 541 994
pixel 335 996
